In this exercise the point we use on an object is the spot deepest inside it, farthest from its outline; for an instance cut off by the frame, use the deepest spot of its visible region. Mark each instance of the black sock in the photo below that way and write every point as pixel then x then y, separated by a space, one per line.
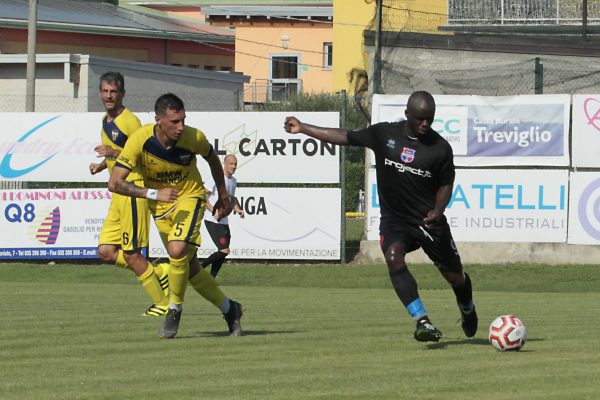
pixel 405 286
pixel 216 266
pixel 216 256
pixel 464 295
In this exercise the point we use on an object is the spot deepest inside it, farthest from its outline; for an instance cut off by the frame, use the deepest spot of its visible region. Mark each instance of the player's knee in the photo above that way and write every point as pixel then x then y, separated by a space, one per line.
pixel 177 250
pixel 107 254
pixel 225 251
pixel 395 260
pixel 455 279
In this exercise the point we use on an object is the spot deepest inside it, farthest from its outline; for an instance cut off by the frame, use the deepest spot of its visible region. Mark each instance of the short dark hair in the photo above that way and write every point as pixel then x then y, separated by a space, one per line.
pixel 420 97
pixel 114 78
pixel 168 101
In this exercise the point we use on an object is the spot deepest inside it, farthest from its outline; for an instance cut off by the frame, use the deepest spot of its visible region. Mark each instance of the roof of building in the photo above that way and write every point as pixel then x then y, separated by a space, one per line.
pixel 268 11
pixel 188 3
pixel 107 19
pixel 120 63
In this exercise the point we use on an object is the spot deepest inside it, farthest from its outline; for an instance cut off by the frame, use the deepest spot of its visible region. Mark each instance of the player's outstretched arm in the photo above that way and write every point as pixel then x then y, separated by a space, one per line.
pixel 329 135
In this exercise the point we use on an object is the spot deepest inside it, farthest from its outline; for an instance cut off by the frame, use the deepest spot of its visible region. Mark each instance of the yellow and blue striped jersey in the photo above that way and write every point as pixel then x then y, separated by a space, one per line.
pixel 173 168
pixel 116 133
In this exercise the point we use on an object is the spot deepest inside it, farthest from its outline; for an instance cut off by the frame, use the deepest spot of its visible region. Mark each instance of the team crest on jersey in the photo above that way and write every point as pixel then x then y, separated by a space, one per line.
pixel 115 135
pixel 185 159
pixel 407 155
pixel 391 143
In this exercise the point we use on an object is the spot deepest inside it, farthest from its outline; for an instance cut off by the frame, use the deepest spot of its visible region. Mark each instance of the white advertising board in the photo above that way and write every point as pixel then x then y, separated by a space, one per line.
pixel 285 223
pixel 584 208
pixel 265 152
pixel 280 223
pixel 51 147
pixel 489 205
pixel 489 131
pixel 51 223
pixel 586 130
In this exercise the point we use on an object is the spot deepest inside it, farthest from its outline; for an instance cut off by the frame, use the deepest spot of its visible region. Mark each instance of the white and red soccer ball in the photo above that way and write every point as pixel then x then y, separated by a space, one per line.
pixel 507 332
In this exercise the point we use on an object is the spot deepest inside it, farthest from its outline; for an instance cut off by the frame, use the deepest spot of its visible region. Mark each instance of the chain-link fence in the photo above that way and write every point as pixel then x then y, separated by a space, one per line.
pixel 425 47
pixel 428 15
pixel 523 11
pixel 194 100
pixel 487 74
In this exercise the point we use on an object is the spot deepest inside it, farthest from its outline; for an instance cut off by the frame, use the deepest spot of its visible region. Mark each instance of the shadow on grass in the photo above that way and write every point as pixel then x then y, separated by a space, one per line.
pixel 478 342
pixel 245 333
pixel 445 343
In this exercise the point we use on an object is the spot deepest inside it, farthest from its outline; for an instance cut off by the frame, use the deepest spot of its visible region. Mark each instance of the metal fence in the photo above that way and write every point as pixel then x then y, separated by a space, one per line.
pixel 198 100
pixel 488 75
pixel 478 69
pixel 428 16
pixel 271 90
pixel 521 11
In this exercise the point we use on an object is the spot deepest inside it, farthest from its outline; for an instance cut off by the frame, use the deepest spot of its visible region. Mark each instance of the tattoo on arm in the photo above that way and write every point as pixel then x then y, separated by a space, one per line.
pixel 129 189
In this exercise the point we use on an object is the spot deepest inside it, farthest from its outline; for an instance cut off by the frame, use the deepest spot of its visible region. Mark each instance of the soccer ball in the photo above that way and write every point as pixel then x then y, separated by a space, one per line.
pixel 507 332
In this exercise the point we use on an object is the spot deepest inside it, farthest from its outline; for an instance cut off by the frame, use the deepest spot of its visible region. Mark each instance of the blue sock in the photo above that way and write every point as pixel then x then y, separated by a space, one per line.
pixel 416 309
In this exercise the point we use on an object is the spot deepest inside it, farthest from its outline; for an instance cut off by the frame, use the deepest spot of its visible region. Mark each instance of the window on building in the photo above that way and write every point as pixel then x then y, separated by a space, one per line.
pixel 284 80
pixel 284 67
pixel 327 55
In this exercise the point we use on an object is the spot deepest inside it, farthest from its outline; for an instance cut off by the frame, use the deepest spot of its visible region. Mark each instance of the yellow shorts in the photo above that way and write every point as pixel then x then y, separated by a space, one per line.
pixel 127 223
pixel 182 221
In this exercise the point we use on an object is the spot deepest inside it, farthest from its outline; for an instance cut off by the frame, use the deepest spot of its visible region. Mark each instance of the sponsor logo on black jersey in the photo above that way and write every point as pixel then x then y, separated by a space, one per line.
pixel 398 166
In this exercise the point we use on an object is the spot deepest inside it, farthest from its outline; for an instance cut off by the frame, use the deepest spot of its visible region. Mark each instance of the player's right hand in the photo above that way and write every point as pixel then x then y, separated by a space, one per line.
pixel 167 195
pixel 291 125
pixel 221 209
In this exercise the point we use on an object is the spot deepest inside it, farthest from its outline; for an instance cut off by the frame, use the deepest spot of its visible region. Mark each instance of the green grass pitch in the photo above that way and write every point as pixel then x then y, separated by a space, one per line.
pixel 311 332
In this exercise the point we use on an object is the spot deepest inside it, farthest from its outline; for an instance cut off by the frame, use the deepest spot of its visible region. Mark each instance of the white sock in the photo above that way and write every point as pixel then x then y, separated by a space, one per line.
pixel 224 307
pixel 178 307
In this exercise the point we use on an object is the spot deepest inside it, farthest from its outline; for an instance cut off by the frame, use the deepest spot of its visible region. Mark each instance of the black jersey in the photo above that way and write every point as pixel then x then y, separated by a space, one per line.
pixel 409 171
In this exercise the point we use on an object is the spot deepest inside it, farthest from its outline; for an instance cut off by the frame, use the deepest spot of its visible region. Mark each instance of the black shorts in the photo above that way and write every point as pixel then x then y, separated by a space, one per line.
pixel 219 233
pixel 436 242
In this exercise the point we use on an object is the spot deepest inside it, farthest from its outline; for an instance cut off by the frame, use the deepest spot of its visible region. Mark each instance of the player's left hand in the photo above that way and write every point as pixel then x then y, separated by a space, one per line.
pixel 104 151
pixel 433 218
pixel 167 195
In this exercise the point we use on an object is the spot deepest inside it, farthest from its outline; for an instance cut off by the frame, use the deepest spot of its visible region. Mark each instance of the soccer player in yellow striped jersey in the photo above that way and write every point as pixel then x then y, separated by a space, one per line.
pixel 125 230
pixel 165 153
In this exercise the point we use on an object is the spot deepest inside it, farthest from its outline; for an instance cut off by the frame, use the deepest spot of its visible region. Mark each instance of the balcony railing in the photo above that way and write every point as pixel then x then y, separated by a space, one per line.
pixel 271 90
pixel 513 12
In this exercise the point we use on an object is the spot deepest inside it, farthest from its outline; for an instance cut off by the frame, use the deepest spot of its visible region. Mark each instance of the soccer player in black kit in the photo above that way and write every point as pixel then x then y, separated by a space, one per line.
pixel 415 177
